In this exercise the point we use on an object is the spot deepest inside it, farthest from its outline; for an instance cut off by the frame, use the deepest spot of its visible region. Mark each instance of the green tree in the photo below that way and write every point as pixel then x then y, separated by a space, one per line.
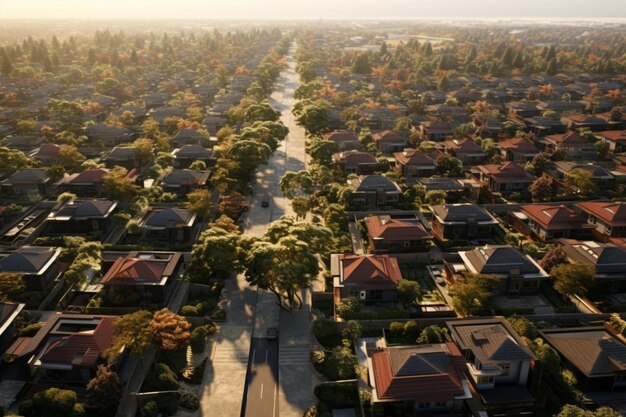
pixel 362 64
pixel 118 186
pixel 294 183
pixel 523 327
pixel 313 118
pixel 301 206
pixel 10 284
pixel 436 197
pixel 169 330
pixel 352 330
pixel 408 291
pixel 249 154
pixel 201 202
pixel 581 181
pixel 335 217
pixel 341 364
pixel 70 158
pixel 216 254
pixel 131 331
pixel 322 151
pixel 432 334
pixel 449 166
pixel 554 257
pixel 12 160
pixel 104 391
pixel 573 279
pixel 540 189
pixel 347 306
pixel 473 293
pixel 53 402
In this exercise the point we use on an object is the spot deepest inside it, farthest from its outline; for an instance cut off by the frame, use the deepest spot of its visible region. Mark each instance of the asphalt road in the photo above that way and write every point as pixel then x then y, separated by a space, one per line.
pixel 261 395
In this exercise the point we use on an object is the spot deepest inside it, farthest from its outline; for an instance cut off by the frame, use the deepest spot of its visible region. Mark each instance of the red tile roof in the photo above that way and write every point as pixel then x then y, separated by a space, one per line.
pixel 413 157
pixel 388 136
pixel 89 176
pixel 82 349
pixel 465 145
pixel 614 135
pixel 611 213
pixel 442 385
pixel 437 125
pixel 518 144
pixel 382 227
pixel 355 158
pixel 569 139
pixel 507 170
pixel 48 150
pixel 554 217
pixel 380 272
pixel 127 271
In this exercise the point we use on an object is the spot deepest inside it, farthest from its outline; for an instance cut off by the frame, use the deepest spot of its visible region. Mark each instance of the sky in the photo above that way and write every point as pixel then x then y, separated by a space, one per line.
pixel 310 9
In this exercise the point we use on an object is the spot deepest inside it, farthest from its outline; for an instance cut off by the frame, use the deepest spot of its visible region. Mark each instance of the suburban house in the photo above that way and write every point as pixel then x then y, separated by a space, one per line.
pixel 519 274
pixel 542 126
pixel 457 189
pixel 424 379
pixel 571 145
pixel 387 235
pixel 497 361
pixel 462 222
pixel 595 356
pixel 149 274
pixel 356 162
pixel 412 164
pixel 608 217
pixel 435 129
pixel 547 222
pixel 89 182
pixel 465 150
pixel 374 191
pixel 108 135
pixel 601 177
pixel 38 265
pixel 188 154
pixel 47 154
pixel 187 136
pixel 523 109
pixel 389 141
pixel 81 216
pixel 168 224
pixel 518 150
pixel 122 156
pixel 608 260
pixel 344 139
pixel 585 121
pixel 26 182
pixel 369 278
pixel 504 179
pixel 8 314
pixel 183 181
pixel 616 139
pixel 68 348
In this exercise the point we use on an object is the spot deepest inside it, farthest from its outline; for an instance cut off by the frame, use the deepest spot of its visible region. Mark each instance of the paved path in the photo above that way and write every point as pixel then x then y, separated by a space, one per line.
pixel 261 396
pixel 357 241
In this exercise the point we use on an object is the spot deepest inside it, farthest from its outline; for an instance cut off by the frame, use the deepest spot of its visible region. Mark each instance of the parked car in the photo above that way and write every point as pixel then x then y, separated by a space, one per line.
pixel 265 203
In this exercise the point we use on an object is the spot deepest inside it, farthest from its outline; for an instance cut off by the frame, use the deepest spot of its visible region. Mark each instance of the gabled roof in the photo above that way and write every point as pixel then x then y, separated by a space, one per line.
pixel 370 271
pixel 134 271
pixel 355 158
pixel 612 213
pixel 465 145
pixel 89 176
pixel 121 153
pixel 607 258
pixel 554 217
pixel 192 151
pixel 385 228
pixel 518 144
pixel 434 125
pixel 388 136
pixel 568 139
pixel 501 260
pixel 373 183
pixel 413 157
pixel 592 350
pixel 27 176
pixel 29 260
pixel 47 150
pixel 425 373
pixel 490 340
pixel 506 170
pixel 462 213
pixel 168 217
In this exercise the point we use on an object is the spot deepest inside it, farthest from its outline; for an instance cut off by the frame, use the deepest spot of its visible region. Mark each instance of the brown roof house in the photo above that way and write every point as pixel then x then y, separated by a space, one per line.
pixel 344 139
pixel 518 150
pixel 435 129
pixel 81 216
pixel 504 179
pixel 547 222
pixel 571 145
pixel 183 181
pixel 124 156
pixel 424 379
pixel 413 164
pixel 188 154
pixel 608 260
pixel 519 274
pixel 38 265
pixel 608 217
pixel 89 182
pixel 356 162
pixel 387 235
pixel 462 222
pixel 47 154
pixel 373 191
pixel 498 363
pixel 616 140
pixel 149 274
pixel 27 182
pixel 602 178
pixel 595 356
pixel 68 348
pixel 465 150
pixel 168 224
pixel 369 278
pixel 389 141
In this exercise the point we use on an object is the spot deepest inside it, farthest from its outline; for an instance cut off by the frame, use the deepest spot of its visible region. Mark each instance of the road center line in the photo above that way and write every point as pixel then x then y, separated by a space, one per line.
pixel 261 391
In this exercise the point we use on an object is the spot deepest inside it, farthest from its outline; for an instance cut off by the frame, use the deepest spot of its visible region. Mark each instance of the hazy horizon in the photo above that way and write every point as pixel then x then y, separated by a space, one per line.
pixel 320 9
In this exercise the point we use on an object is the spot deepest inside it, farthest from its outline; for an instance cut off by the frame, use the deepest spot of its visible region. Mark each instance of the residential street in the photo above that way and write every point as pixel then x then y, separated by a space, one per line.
pixel 260 398
pixel 243 329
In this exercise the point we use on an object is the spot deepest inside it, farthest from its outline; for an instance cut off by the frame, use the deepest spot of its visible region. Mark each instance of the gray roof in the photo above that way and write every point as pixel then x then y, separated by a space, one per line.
pixel 168 217
pixel 607 258
pixel 448 184
pixel 192 151
pixel 127 152
pixel 462 213
pixel 374 182
pixel 501 259
pixel 28 259
pixel 183 176
pixel 85 209
pixel 490 340
pixel 421 360
pixel 28 176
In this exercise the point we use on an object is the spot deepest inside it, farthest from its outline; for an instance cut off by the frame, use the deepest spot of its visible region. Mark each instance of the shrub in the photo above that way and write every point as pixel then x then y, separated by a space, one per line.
pixel 176 360
pixel 198 339
pixel 327 333
pixel 396 329
pixel 149 409
pixel 189 310
pixel 53 402
pixel 168 403
pixel 30 330
pixel 348 306
pixel 160 378
pixel 189 401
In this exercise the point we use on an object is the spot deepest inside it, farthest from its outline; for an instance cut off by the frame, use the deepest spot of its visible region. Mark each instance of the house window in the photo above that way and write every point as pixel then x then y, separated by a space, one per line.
pixel 505 369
